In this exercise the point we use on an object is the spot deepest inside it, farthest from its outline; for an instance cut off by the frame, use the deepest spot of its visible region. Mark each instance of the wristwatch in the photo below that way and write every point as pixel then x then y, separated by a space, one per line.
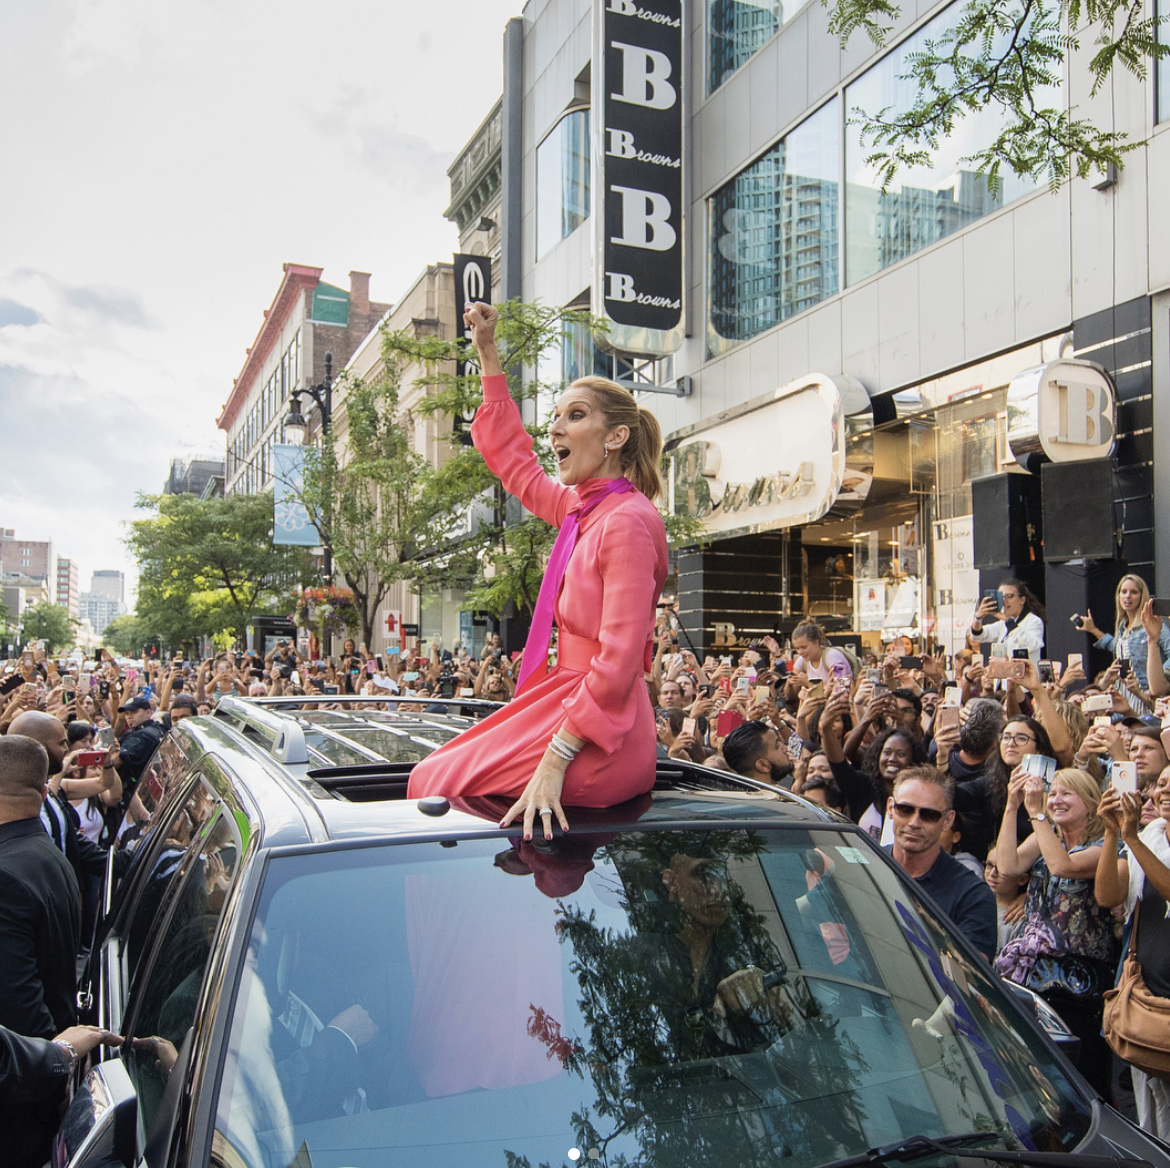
pixel 69 1049
pixel 1041 818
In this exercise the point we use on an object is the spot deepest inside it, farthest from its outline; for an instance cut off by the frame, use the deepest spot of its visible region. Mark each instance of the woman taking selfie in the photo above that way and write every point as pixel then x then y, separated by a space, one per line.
pixel 1140 637
pixel 584 733
pixel 1019 624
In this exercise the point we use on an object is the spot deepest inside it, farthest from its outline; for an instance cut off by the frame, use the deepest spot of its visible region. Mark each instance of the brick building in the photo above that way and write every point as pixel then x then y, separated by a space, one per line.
pixel 307 319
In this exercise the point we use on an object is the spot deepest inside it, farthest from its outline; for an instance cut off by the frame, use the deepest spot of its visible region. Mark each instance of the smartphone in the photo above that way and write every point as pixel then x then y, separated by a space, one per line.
pixel 874 675
pixel 996 595
pixel 1045 670
pixel 11 683
pixel 105 737
pixel 706 690
pixel 1057 669
pixel 97 656
pixel 1074 660
pixel 103 689
pixel 763 693
pixel 67 695
pixel 1002 668
pixel 371 667
pixel 724 660
pixel 728 721
pixel 1020 654
pixel 1162 707
pixel 691 726
pixel 131 674
pixel 88 758
pixel 794 746
pixel 27 660
pixel 998 649
pixel 743 686
pixel 1123 667
pixel 780 668
pixel 725 685
pixel 816 689
pixel 946 718
pixel 1161 606
pixel 466 691
pixel 1123 777
pixel 880 689
pixel 910 662
pixel 1041 766
pixel 412 675
pixel 1076 619
pixel 1098 704
pixel 332 689
pixel 952 698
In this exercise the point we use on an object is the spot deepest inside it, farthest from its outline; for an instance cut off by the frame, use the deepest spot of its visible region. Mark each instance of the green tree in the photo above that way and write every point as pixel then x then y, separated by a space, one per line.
pixel 1011 56
pixel 207 566
pixel 126 635
pixel 499 563
pixel 50 623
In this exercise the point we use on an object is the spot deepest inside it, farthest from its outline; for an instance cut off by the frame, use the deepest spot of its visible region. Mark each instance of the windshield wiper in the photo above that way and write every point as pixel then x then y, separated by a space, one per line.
pixel 920 1147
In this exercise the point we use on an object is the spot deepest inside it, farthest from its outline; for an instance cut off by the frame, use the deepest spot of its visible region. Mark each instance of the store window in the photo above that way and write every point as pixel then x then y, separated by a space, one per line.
pixel 773 234
pixel 562 180
pixel 738 29
pixel 924 203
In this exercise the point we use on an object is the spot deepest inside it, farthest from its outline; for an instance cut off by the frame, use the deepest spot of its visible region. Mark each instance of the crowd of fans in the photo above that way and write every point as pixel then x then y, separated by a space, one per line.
pixel 1027 798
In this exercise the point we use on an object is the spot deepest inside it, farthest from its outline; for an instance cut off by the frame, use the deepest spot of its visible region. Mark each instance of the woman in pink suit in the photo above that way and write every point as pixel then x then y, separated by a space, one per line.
pixel 584 733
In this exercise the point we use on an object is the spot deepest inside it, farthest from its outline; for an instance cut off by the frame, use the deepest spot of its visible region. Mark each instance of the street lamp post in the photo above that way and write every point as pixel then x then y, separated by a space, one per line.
pixel 296 427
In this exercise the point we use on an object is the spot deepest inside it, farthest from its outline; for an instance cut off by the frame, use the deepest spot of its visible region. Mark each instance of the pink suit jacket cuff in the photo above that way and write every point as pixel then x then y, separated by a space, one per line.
pixel 495 388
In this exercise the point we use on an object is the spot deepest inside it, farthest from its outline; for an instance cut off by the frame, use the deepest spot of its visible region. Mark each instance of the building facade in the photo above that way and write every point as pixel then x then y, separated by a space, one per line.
pixel 883 401
pixel 99 608
pixel 68 587
pixel 110 583
pixel 28 557
pixel 307 319
pixel 201 477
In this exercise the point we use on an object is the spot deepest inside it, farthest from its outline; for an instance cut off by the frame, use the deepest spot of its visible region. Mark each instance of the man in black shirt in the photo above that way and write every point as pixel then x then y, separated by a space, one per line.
pixel 138 743
pixel 40 926
pixel 921 810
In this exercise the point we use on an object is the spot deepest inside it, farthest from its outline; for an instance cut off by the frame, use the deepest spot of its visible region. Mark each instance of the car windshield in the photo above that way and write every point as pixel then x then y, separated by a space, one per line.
pixel 716 997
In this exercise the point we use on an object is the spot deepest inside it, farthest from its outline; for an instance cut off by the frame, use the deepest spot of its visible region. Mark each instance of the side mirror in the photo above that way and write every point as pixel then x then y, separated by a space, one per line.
pixel 101 1126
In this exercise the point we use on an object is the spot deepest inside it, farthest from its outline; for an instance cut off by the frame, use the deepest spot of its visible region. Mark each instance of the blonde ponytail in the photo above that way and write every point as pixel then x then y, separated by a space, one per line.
pixel 641 456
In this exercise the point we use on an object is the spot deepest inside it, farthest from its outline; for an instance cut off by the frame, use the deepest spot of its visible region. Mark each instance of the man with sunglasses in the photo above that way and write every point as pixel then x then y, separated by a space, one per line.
pixel 921 809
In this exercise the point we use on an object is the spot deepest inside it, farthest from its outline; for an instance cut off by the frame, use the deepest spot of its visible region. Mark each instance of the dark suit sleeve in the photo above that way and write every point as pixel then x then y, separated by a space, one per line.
pixel 974 914
pixel 856 787
pixel 22 1002
pixel 32 1070
pixel 137 749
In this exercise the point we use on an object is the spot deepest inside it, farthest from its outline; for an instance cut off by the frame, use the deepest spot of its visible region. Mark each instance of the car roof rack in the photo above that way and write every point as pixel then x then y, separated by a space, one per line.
pixel 480 706
pixel 282 735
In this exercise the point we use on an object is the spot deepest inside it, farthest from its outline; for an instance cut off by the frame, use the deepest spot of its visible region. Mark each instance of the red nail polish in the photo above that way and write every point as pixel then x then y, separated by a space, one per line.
pixel 528 836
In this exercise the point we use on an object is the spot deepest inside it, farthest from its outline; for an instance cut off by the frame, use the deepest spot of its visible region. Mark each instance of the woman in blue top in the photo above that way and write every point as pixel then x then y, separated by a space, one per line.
pixel 1141 637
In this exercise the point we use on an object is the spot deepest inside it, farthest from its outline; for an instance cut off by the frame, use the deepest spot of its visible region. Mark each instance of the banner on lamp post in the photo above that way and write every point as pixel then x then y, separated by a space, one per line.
pixel 291 526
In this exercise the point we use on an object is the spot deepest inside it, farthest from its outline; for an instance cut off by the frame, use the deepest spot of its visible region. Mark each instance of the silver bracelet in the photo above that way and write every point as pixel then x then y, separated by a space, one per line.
pixel 563 749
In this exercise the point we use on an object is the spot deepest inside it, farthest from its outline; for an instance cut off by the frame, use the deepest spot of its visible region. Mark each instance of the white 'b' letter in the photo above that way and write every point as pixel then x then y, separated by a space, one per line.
pixel 623 7
pixel 621 286
pixel 621 144
pixel 644 77
pixel 644 220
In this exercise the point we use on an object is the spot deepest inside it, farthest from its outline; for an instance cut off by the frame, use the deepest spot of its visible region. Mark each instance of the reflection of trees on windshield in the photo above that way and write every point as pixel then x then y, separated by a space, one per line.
pixel 696 1037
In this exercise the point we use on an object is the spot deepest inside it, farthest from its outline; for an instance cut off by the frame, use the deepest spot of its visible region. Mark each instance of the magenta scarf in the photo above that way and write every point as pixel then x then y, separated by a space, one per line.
pixel 539 635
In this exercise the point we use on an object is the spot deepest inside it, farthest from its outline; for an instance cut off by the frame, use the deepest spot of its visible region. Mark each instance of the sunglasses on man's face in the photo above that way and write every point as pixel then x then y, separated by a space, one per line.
pixel 926 814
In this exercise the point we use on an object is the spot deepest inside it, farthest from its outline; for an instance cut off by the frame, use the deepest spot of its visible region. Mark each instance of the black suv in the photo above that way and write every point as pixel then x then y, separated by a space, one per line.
pixel 319 972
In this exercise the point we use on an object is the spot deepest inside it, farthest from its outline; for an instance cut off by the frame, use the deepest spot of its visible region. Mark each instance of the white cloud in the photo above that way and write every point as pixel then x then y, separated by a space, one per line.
pixel 168 158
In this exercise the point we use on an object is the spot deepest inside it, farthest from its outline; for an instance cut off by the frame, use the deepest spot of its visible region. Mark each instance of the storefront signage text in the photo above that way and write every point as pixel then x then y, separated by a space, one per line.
pixel 774 462
pixel 1063 411
pixel 638 174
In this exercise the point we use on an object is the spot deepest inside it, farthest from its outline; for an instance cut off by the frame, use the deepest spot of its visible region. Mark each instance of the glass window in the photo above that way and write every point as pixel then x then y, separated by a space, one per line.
pixel 580 356
pixel 698 997
pixel 773 234
pixel 736 29
pixel 925 203
pixel 166 1002
pixel 562 180
pixel 1162 83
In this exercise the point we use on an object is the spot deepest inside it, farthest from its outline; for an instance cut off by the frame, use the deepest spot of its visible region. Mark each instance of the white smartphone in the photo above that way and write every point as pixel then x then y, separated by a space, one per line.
pixel 1123 777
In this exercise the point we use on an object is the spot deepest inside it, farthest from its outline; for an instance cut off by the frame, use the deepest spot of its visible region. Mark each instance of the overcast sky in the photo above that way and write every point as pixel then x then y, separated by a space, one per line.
pixel 161 161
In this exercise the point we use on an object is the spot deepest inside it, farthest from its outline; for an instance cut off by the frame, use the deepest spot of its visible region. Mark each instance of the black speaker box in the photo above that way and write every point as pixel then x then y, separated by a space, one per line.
pixel 1006 521
pixel 1073 588
pixel 1078 510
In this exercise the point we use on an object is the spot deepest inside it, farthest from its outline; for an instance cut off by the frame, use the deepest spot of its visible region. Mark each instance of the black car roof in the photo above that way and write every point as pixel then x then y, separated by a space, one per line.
pixel 309 804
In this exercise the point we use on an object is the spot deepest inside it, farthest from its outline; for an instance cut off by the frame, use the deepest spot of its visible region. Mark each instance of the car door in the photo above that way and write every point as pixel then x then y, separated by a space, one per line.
pixel 127 1107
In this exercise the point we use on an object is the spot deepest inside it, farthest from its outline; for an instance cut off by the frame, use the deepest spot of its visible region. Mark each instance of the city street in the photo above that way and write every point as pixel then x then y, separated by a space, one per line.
pixel 584 581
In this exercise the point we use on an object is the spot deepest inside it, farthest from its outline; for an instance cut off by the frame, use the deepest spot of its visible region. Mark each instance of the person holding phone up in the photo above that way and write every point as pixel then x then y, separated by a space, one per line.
pixel 1140 637
pixel 1018 624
